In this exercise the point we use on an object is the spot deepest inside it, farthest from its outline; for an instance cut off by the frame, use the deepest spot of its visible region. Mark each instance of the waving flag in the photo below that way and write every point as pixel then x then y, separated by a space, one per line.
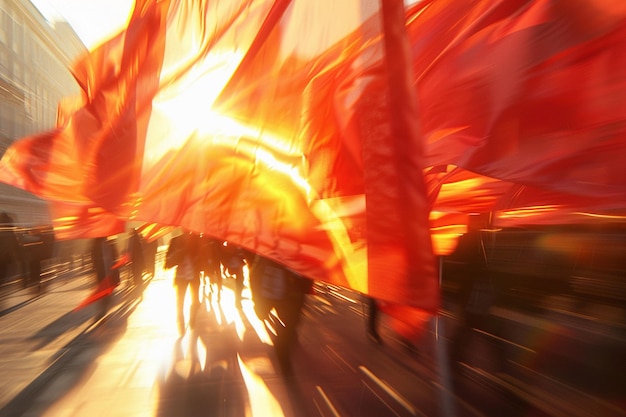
pixel 530 92
pixel 286 127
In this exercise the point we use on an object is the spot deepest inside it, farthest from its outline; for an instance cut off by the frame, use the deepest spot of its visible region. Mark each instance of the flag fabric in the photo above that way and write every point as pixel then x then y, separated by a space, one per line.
pixel 153 231
pixel 104 289
pixel 287 128
pixel 125 259
pixel 83 221
pixel 529 92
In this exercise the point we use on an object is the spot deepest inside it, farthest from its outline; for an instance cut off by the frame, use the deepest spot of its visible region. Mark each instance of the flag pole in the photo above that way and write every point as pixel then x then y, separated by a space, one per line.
pixel 408 163
pixel 443 360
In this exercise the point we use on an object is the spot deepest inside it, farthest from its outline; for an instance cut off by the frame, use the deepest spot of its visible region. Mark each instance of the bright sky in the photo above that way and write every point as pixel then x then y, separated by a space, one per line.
pixel 92 20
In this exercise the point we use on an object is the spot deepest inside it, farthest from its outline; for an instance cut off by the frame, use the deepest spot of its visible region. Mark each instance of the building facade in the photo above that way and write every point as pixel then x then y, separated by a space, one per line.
pixel 35 56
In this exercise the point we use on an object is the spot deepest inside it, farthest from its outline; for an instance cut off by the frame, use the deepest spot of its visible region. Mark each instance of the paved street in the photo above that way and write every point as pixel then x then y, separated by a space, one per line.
pixel 132 363
pixel 63 363
pixel 56 362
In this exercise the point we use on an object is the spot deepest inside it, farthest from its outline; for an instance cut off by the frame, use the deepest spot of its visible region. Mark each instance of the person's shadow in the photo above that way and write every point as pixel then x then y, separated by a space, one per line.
pixel 89 345
pixel 211 369
pixel 78 317
pixel 204 376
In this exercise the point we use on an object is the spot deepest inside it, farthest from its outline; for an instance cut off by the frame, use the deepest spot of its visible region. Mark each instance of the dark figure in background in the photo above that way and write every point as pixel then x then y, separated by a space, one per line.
pixel 372 319
pixel 9 245
pixel 49 240
pixel 213 269
pixel 476 297
pixel 151 248
pixel 184 253
pixel 37 245
pixel 137 258
pixel 233 258
pixel 275 286
pixel 104 255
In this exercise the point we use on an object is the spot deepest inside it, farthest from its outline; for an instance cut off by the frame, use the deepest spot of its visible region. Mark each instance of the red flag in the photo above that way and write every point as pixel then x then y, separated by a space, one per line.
pixel 104 288
pixel 83 221
pixel 123 260
pixel 408 322
pixel 88 167
pixel 509 93
pixel 152 231
pixel 530 92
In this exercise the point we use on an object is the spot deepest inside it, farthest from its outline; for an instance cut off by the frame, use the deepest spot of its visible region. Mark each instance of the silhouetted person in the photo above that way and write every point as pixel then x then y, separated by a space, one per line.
pixel 212 265
pixel 37 244
pixel 276 287
pixel 372 319
pixel 103 256
pixel 151 248
pixel 233 258
pixel 184 254
pixel 476 297
pixel 9 245
pixel 137 257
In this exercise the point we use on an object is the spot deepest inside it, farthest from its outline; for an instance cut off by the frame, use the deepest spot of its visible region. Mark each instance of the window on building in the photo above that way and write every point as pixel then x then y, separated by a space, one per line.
pixel 6 24
pixel 17 35
pixel 4 61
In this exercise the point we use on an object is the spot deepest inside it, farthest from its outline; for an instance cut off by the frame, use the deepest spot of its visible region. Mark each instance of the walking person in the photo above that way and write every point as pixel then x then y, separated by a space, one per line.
pixel 151 247
pixel 279 295
pixel 213 268
pixel 103 256
pixel 477 296
pixel 137 257
pixel 372 319
pixel 10 251
pixel 184 254
pixel 233 258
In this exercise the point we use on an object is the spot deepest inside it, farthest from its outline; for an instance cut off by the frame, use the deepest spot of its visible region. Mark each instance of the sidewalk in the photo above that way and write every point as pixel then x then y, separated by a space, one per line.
pixel 37 330
pixel 58 363
pixel 133 362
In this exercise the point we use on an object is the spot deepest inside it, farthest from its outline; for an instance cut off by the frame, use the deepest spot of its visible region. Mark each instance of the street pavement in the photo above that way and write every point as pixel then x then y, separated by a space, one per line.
pixel 58 362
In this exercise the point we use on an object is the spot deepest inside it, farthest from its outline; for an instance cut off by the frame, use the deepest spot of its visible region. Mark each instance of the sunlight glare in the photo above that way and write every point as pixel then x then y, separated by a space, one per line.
pixel 183 104
pixel 160 304
pixel 528 211
pixel 182 116
pixel 262 402
pixel 227 304
pixel 257 325
pixel 201 353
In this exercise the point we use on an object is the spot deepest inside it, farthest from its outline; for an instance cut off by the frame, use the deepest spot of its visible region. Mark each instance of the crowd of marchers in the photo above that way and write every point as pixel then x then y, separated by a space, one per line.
pixel 278 293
